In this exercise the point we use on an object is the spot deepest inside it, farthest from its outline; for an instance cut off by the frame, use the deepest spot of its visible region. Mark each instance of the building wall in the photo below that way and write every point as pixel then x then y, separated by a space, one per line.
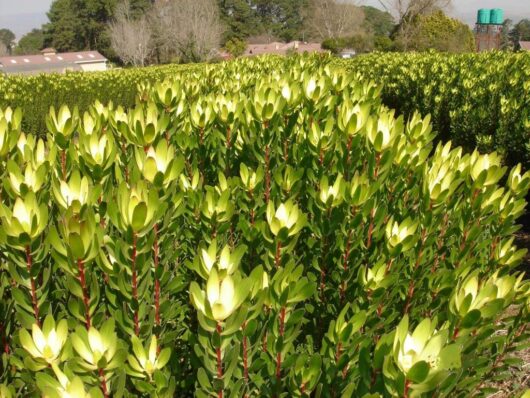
pixel 93 66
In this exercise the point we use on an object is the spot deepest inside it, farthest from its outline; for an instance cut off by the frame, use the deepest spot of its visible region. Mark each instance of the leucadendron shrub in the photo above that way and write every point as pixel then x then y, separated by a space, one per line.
pixel 271 233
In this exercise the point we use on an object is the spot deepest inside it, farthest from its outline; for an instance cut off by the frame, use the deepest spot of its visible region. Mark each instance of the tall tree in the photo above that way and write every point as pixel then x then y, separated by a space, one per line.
pixel 131 38
pixel 378 22
pixel 331 19
pixel 520 32
pixel 189 29
pixel 282 18
pixel 438 31
pixel 240 19
pixel 7 38
pixel 407 11
pixel 64 31
pixel 30 43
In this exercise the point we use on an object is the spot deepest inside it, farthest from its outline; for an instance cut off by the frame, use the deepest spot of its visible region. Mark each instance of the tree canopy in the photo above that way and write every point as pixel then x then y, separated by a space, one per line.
pixel 30 43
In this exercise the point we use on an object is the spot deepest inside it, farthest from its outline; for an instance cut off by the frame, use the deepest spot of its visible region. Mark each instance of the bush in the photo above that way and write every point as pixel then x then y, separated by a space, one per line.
pixel 279 234
pixel 474 99
pixel 236 47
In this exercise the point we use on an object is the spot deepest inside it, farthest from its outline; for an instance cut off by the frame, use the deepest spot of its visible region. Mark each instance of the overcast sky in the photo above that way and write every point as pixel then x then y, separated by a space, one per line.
pixel 31 13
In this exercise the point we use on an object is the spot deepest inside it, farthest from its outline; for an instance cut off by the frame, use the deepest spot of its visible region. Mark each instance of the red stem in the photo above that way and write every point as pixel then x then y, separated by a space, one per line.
pixel 245 354
pixel 4 340
pixel 267 174
pixel 278 256
pixel 135 285
pixel 279 354
pixel 63 163
pixel 219 361
pixel 370 228
pixel 103 383
pixel 409 297
pixel 82 281
pixel 29 263
pixel 157 282
pixel 407 387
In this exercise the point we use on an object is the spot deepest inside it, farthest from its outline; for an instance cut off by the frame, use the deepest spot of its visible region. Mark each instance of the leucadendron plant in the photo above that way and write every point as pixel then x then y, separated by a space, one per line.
pixel 259 228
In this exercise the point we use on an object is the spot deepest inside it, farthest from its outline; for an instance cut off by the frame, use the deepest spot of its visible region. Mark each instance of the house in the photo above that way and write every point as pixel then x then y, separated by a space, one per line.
pixel 525 45
pixel 49 61
pixel 279 48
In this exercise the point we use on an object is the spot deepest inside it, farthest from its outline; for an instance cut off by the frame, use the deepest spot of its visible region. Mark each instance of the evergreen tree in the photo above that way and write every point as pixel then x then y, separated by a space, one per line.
pixel 30 43
pixel 240 18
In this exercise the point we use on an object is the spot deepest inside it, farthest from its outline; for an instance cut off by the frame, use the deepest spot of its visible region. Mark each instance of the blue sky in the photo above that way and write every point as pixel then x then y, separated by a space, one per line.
pixel 23 15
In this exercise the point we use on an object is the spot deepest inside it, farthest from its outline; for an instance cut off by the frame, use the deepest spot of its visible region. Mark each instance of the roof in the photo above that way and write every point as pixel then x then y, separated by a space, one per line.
pixel 51 62
pixel 525 45
pixel 282 48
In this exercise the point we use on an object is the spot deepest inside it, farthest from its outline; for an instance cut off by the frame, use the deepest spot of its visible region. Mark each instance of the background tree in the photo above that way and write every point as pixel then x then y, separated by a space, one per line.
pixel 282 18
pixel 378 22
pixel 7 38
pixel 131 38
pixel 520 32
pixel 236 47
pixel 30 43
pixel 64 31
pixel 331 19
pixel 188 29
pixel 407 11
pixel 3 50
pixel 438 31
pixel 240 19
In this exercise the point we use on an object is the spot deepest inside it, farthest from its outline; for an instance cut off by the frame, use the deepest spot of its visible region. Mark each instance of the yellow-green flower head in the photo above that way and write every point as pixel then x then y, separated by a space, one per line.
pixel 471 295
pixel 382 132
pixel 287 217
pixel 428 346
pixel 63 387
pixel 79 232
pixel 486 169
pixel 28 219
pixel 331 196
pixel 32 179
pixel 146 360
pixel 97 153
pixel 518 183
pixel 352 118
pixel 62 125
pixel 190 185
pixel 508 254
pixel 250 178
pixel 289 177
pixel 74 193
pixel 420 346
pixel 228 260
pixel 93 346
pixel 221 295
pixel 143 125
pixel 9 129
pixel 372 278
pixel 401 234
pixel 137 207
pixel 359 190
pixel 159 165
pixel 45 345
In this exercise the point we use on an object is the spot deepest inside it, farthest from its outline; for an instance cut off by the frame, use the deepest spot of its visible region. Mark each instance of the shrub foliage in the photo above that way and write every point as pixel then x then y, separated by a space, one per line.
pixel 272 234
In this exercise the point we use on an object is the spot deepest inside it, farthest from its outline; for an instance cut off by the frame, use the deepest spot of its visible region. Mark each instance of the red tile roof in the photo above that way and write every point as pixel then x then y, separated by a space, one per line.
pixel 282 48
pixel 525 45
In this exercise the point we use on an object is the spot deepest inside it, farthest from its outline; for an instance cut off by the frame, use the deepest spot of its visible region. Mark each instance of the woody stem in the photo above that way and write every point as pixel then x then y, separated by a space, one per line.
pixel 135 285
pixel 82 282
pixel 29 263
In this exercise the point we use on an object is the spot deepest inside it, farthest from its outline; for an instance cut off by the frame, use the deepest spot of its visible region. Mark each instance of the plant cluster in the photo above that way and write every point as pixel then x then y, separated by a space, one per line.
pixel 476 100
pixel 273 234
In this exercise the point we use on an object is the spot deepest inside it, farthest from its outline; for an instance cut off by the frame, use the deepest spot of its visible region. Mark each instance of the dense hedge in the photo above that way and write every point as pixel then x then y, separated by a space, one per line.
pixel 261 229
pixel 476 100
pixel 36 94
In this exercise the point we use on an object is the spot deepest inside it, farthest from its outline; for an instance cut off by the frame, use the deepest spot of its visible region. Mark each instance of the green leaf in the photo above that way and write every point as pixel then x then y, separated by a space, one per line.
pixel 419 372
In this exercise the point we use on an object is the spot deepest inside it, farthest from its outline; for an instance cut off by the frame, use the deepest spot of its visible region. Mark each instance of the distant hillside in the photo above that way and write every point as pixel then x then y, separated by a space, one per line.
pixel 21 24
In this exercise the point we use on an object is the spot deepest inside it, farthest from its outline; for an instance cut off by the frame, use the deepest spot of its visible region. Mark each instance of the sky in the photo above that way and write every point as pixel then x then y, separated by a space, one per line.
pixel 23 15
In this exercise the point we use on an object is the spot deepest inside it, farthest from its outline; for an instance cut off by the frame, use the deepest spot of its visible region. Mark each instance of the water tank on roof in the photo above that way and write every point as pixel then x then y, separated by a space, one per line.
pixel 497 16
pixel 483 17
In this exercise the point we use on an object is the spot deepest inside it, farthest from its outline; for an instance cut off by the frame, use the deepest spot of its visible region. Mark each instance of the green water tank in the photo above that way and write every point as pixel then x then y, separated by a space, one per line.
pixel 497 16
pixel 483 17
